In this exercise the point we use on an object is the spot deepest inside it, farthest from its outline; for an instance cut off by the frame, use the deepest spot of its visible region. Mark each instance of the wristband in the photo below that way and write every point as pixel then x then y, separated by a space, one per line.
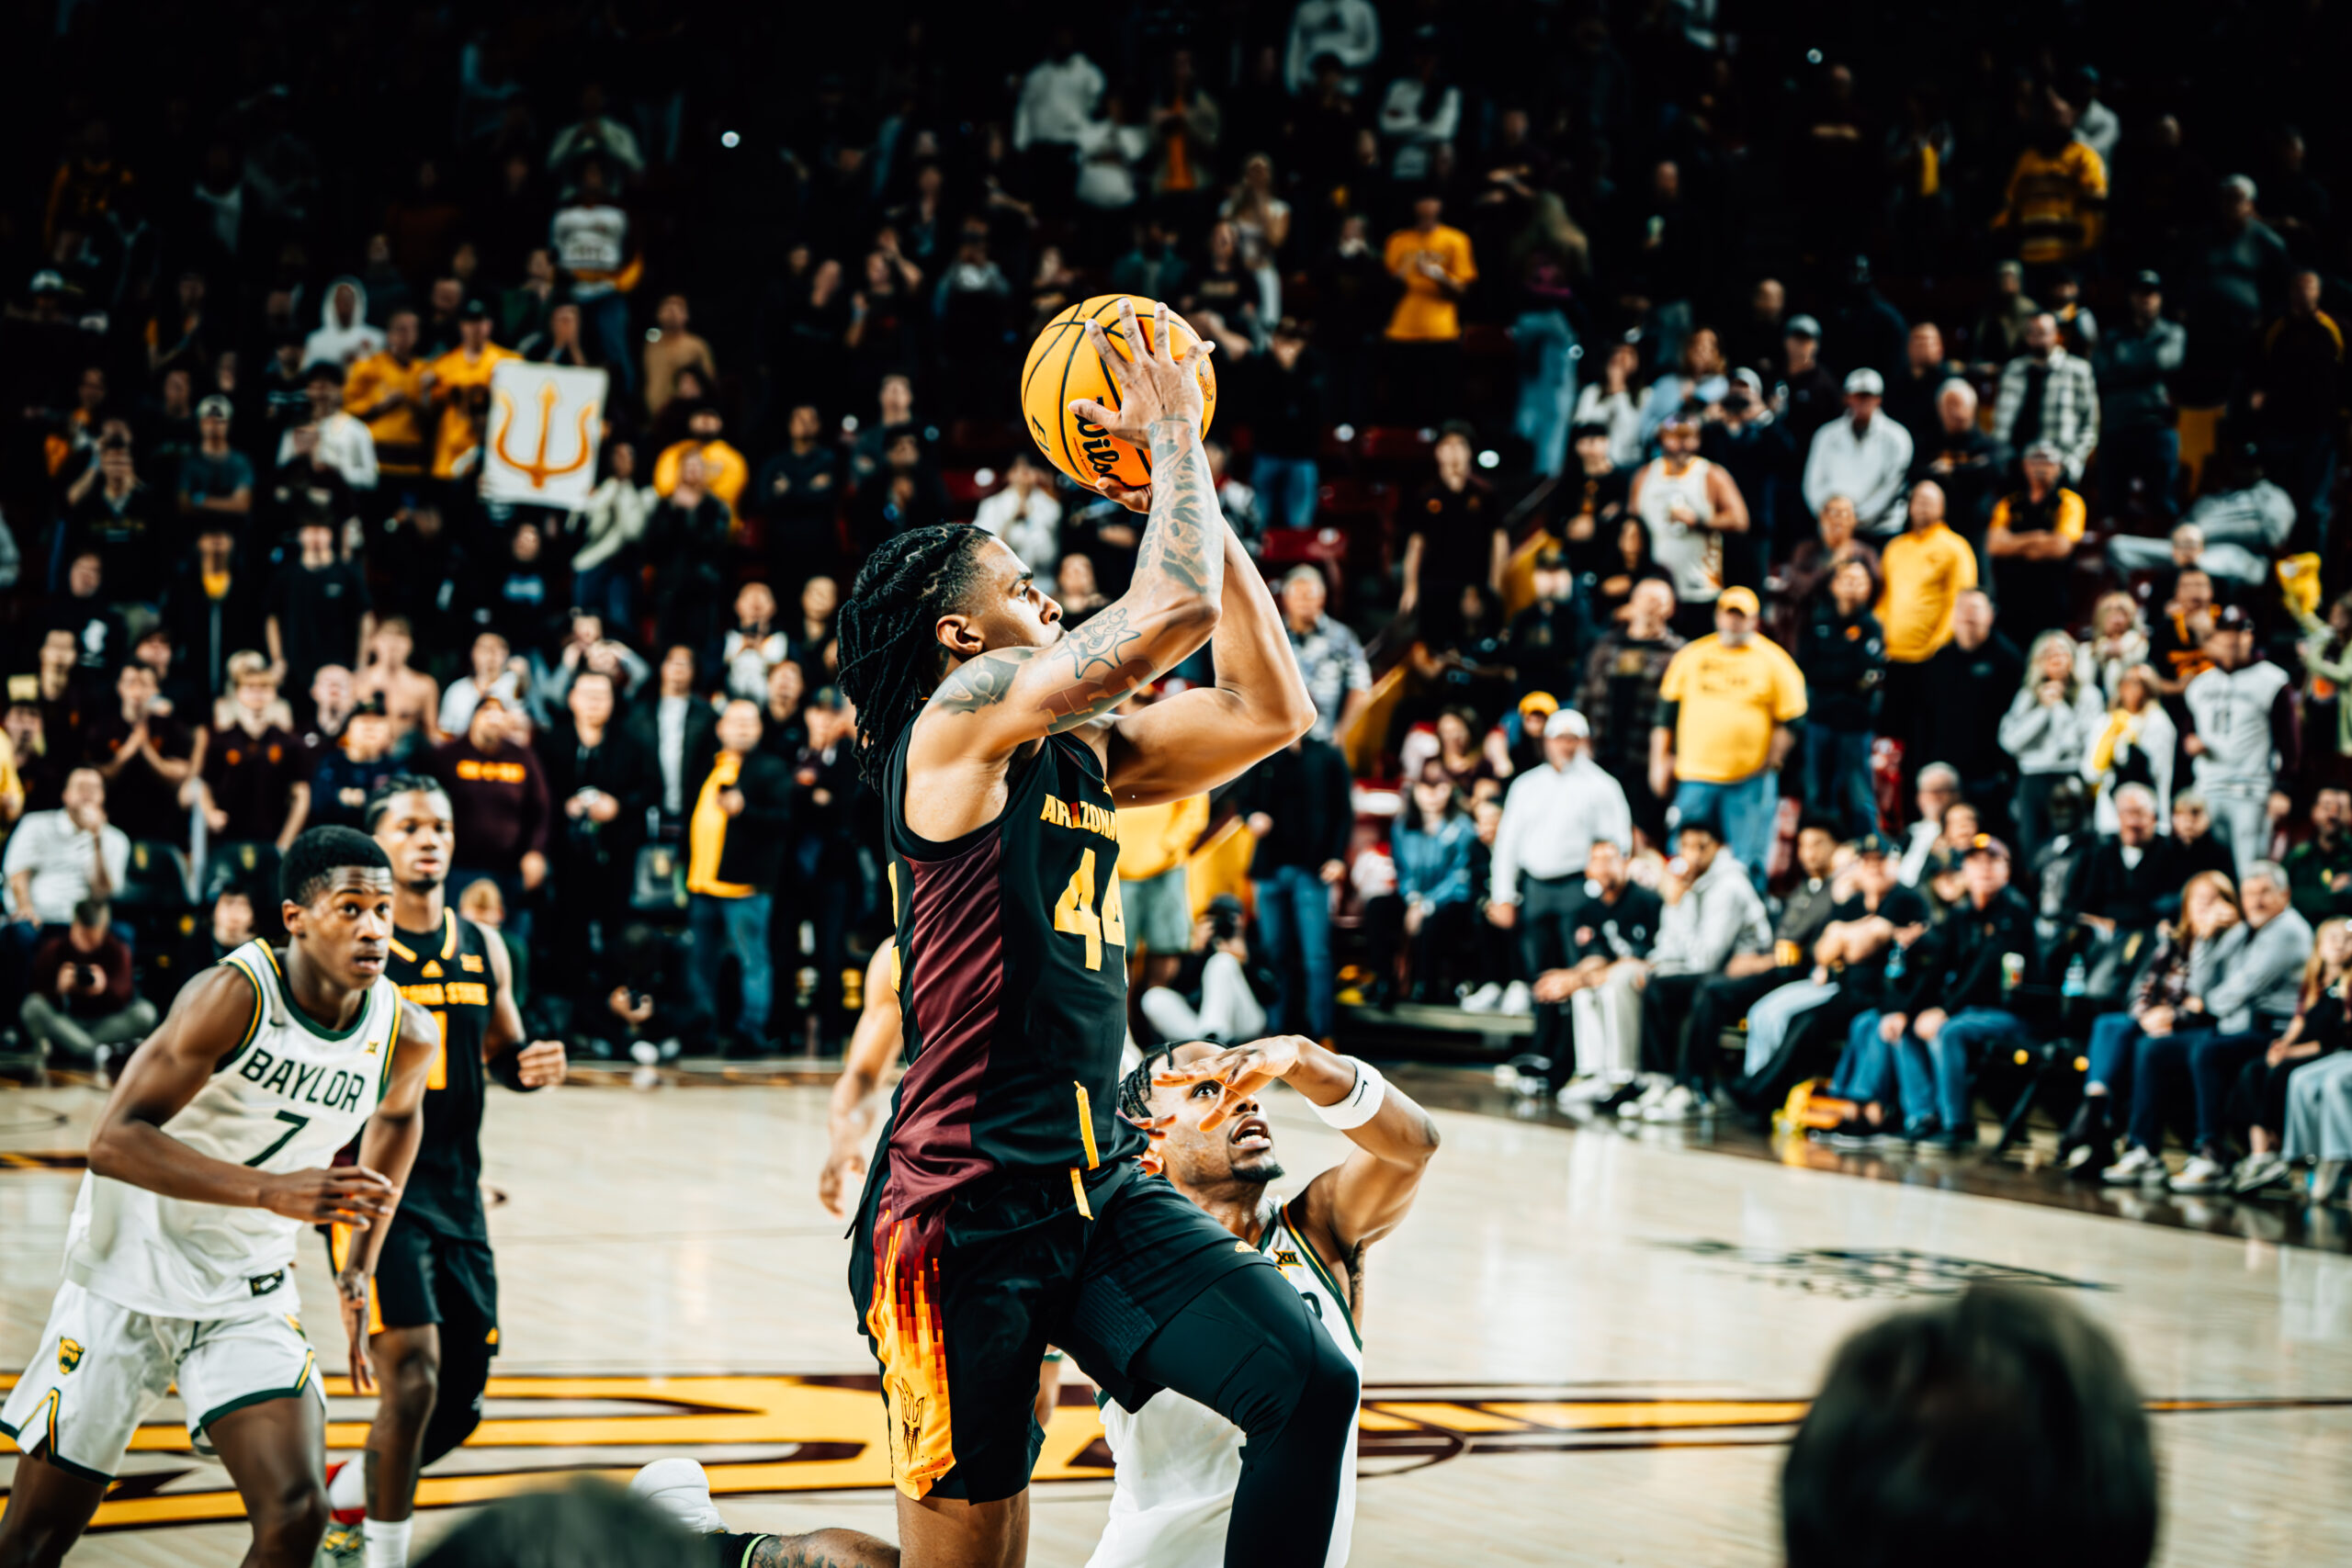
pixel 1360 1104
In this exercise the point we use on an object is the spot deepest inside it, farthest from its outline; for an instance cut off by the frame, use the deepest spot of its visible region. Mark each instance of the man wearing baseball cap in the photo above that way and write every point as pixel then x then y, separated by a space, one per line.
pixel 1951 1008
pixel 2242 737
pixel 1809 393
pixel 1726 722
pixel 460 384
pixel 2139 450
pixel 1865 456
pixel 2031 541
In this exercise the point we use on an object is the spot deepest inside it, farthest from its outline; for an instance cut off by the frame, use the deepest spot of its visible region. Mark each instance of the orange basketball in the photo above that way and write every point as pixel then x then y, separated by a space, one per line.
pixel 1063 365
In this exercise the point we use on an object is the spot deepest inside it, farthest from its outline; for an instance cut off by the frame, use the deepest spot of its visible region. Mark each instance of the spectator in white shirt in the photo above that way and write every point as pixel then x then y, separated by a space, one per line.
pixel 1551 819
pixel 1347 30
pixel 1024 515
pixel 496 673
pixel 1612 401
pixel 1420 110
pixel 332 439
pixel 1864 456
pixel 755 644
pixel 54 860
pixel 1058 95
pixel 1937 789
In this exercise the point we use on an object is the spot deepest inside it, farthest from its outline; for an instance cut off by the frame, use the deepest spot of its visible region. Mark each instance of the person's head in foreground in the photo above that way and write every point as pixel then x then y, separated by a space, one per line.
pixel 1999 1426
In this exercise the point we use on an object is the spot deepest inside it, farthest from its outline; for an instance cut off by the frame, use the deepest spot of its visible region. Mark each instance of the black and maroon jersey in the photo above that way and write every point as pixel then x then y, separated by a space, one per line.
pixel 1013 983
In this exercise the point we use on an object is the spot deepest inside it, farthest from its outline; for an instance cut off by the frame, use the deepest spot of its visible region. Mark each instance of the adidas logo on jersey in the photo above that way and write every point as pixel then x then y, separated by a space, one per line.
pixel 336 1090
pixel 431 970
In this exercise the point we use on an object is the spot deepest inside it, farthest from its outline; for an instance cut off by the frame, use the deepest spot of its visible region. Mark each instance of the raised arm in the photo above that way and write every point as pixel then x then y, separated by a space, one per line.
pixel 1195 740
pixel 873 1046
pixel 1368 1194
pixel 996 701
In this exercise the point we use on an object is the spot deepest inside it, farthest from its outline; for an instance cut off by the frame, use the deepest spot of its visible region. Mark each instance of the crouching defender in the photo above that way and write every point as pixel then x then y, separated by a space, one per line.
pixel 1178 1461
pixel 207 1160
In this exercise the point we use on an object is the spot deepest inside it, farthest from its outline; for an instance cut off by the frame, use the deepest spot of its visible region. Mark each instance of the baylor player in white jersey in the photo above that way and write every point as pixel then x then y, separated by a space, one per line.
pixel 206 1166
pixel 1177 1461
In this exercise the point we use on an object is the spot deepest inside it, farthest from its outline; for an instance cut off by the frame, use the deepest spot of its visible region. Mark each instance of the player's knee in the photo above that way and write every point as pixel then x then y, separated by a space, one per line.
pixel 1329 1387
pixel 1301 1383
pixel 410 1388
pixel 288 1526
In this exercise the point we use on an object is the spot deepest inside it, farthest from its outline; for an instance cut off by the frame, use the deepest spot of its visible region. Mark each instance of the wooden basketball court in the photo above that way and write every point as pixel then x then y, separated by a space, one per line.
pixel 1584 1346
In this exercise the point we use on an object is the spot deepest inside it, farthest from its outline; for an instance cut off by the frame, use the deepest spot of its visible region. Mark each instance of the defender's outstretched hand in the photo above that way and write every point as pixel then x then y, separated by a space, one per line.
pixel 1240 1071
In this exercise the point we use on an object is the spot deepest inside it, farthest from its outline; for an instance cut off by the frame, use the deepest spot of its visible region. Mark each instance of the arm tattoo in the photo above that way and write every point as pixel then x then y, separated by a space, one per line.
pixel 1183 538
pixel 982 683
pixel 1103 674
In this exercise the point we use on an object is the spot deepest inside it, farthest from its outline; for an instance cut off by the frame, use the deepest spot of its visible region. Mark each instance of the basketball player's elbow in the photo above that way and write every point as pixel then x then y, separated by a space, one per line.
pixel 1289 711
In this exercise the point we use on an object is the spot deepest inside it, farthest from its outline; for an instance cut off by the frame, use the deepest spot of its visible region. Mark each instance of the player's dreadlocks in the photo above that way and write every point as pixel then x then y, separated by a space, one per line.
pixel 1135 1089
pixel 889 655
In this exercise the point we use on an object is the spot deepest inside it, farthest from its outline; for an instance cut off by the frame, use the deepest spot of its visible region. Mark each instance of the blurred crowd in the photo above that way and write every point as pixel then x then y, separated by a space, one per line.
pixel 1730 461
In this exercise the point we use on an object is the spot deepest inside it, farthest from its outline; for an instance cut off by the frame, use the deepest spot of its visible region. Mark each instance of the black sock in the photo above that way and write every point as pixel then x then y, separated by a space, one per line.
pixel 1250 1348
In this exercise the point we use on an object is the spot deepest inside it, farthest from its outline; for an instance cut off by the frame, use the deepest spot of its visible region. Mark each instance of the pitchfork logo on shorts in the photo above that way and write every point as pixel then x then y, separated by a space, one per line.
pixel 69 1355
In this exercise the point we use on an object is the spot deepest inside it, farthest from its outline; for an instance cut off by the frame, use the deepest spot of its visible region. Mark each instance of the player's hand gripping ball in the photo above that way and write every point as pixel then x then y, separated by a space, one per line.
pixel 1065 367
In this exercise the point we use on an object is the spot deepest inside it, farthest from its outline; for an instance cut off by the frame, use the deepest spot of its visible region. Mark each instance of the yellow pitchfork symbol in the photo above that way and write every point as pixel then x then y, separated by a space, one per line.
pixel 538 468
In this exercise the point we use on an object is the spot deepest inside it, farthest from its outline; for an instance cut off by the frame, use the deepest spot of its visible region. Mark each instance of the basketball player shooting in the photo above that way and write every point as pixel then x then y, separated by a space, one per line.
pixel 1006 1208
pixel 435 1325
pixel 207 1162
pixel 1177 1461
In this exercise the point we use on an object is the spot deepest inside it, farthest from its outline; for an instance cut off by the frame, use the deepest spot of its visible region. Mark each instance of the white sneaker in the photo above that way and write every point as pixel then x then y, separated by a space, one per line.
pixel 1679 1105
pixel 1652 1093
pixel 644 1053
pixel 1585 1090
pixel 2201 1175
pixel 1484 999
pixel 1518 1001
pixel 680 1489
pixel 2258 1172
pixel 2137 1166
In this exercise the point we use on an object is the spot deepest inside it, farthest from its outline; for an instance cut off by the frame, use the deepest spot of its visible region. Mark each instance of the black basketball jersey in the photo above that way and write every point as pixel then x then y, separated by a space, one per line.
pixel 1013 982
pixel 448 974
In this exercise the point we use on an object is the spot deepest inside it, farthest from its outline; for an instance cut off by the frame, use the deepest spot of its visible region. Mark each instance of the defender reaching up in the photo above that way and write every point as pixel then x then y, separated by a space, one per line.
pixel 207 1162
pixel 1006 1208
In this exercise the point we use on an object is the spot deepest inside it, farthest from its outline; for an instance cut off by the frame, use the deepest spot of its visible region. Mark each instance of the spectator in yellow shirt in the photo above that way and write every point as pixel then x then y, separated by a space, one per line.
pixel 386 392
pixel 1154 841
pixel 1925 569
pixel 461 386
pixel 725 473
pixel 1434 263
pixel 1725 715
pixel 2057 195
